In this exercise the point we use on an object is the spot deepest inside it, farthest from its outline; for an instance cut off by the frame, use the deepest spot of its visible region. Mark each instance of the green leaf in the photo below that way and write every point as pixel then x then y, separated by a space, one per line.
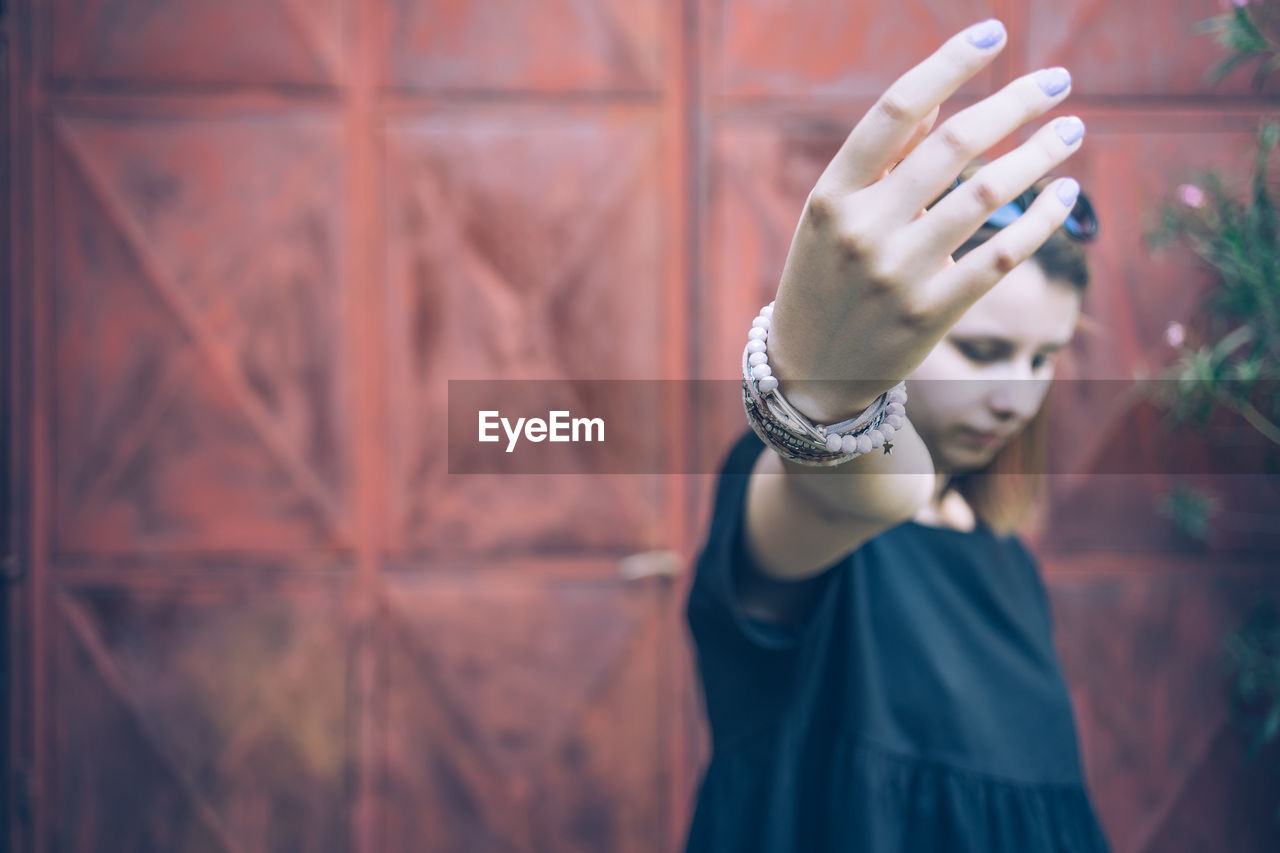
pixel 1242 23
pixel 1211 25
pixel 1229 344
pixel 1246 372
pixel 1269 134
pixel 1264 71
pixel 1226 66
pixel 1202 366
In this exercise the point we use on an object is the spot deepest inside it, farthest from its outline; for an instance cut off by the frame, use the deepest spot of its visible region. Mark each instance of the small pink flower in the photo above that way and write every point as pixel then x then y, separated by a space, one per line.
pixel 1174 334
pixel 1241 3
pixel 1191 195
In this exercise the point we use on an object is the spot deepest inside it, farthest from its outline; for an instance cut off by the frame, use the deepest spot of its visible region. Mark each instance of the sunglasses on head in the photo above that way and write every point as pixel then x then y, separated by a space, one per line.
pixel 1081 224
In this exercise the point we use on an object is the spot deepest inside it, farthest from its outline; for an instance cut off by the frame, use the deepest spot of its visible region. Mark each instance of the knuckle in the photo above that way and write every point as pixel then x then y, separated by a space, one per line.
pixel 1045 147
pixel 1028 97
pixel 986 193
pixel 854 246
pixel 893 106
pixel 915 315
pixel 1004 259
pixel 880 280
pixel 822 206
pixel 914 319
pixel 955 137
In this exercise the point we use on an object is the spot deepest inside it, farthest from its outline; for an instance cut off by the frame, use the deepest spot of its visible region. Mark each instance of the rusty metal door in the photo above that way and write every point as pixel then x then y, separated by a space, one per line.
pixel 254 241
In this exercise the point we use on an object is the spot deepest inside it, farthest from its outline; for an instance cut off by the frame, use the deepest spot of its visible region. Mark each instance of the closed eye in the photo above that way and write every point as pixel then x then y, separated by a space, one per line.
pixel 982 354
pixel 1043 360
pixel 989 352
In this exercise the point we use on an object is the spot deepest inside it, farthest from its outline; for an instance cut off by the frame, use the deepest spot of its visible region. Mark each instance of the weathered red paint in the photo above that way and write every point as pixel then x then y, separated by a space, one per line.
pixel 255 239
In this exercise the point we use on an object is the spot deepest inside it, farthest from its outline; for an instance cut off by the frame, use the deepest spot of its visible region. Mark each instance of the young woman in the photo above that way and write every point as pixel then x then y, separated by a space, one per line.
pixel 873 639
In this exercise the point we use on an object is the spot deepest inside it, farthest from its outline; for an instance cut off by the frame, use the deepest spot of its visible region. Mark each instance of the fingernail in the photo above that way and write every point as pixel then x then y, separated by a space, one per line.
pixel 1069 129
pixel 987 34
pixel 1053 80
pixel 1068 190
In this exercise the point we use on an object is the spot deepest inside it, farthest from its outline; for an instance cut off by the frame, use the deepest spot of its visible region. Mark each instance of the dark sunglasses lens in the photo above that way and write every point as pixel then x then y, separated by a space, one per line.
pixel 1082 224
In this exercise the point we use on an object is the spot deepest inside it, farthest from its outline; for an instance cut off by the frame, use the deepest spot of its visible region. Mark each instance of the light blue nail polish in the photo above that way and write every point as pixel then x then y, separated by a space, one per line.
pixel 1053 81
pixel 987 34
pixel 1068 191
pixel 1069 129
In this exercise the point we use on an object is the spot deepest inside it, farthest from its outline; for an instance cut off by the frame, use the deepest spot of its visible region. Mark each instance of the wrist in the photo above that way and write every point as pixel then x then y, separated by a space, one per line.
pixel 819 406
pixel 821 437
pixel 822 401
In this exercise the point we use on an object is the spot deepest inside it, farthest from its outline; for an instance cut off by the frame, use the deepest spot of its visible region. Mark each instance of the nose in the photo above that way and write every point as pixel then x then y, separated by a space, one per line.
pixel 1016 396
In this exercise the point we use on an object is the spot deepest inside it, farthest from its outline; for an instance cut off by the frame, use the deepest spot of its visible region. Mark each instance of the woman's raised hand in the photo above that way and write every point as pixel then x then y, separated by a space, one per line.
pixel 869 287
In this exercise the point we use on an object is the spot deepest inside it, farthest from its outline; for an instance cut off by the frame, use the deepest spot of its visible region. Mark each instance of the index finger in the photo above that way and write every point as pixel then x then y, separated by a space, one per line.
pixel 887 126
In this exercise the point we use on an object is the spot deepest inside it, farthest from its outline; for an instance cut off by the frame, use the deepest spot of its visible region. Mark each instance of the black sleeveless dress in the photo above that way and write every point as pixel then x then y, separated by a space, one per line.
pixel 921 707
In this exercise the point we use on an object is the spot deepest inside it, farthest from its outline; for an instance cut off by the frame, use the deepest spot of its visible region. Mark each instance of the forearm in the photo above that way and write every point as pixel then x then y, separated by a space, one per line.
pixel 801 520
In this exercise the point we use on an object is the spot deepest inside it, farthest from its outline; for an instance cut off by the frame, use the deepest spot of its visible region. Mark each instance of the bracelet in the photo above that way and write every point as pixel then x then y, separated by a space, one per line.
pixel 793 435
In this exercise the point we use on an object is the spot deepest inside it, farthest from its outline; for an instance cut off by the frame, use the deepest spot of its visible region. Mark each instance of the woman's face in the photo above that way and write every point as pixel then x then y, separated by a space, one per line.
pixel 988 376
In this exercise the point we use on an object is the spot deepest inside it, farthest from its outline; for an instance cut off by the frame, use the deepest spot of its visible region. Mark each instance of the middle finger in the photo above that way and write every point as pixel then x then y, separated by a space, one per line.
pixel 935 162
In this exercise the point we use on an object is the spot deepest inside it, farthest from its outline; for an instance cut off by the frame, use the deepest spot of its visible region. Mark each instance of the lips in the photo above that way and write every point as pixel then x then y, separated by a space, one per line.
pixel 986 439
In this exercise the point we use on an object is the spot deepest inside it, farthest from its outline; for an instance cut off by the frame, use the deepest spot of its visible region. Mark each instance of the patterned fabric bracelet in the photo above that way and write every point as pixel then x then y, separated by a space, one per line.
pixel 793 435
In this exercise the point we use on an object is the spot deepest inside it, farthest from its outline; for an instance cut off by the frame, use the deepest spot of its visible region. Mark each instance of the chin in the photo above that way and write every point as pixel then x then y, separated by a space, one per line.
pixel 964 459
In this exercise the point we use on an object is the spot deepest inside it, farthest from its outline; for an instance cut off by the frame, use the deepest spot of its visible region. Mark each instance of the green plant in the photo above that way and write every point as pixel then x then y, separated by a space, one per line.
pixel 1229 358
pixel 1251 657
pixel 1247 34
pixel 1233 359
pixel 1190 510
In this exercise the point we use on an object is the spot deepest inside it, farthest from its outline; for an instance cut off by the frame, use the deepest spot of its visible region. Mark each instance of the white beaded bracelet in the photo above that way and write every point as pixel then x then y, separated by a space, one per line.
pixel 792 434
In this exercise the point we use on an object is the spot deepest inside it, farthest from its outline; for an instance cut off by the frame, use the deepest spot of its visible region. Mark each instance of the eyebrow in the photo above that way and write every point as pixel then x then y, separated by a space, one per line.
pixel 1005 344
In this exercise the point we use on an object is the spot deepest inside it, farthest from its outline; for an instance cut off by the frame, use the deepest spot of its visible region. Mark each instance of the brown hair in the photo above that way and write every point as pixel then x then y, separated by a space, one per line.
pixel 1006 493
